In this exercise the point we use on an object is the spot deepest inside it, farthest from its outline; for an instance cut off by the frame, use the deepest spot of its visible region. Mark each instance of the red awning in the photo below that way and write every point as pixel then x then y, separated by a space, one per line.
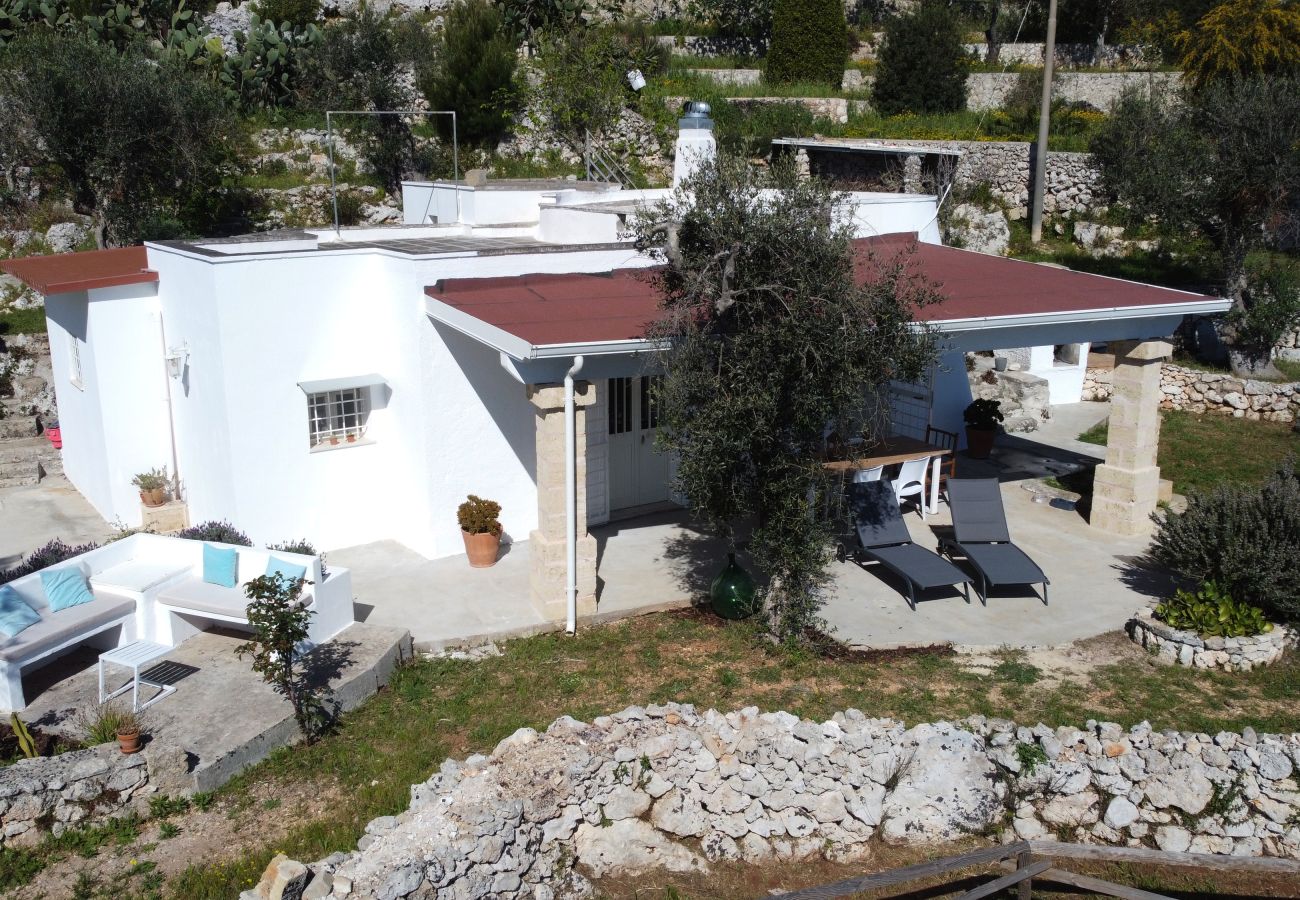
pixel 63 272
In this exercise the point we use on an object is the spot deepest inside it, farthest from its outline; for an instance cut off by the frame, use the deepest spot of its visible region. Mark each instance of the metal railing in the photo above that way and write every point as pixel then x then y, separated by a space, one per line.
pixel 602 164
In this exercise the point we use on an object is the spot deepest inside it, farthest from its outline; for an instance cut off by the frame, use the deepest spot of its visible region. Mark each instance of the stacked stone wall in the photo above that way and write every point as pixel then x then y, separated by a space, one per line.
pixel 668 787
pixel 48 795
pixel 1232 654
pixel 1209 392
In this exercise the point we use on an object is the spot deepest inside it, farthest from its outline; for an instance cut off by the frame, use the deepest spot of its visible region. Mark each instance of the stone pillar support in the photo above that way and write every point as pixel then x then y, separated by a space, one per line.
pixel 1126 487
pixel 547 543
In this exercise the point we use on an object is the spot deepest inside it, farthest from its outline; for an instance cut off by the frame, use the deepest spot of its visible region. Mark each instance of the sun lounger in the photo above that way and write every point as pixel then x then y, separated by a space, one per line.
pixel 980 534
pixel 883 538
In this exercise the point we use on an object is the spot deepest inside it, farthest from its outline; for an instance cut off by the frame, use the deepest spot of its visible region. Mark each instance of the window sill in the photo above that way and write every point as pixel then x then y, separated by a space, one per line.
pixel 342 445
pixel 77 383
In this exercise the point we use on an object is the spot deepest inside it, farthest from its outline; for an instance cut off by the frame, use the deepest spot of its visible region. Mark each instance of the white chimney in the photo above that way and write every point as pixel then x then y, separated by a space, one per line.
pixel 695 143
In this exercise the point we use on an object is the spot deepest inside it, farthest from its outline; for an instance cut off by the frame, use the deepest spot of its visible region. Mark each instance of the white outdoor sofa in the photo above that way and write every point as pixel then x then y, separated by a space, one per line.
pixel 151 587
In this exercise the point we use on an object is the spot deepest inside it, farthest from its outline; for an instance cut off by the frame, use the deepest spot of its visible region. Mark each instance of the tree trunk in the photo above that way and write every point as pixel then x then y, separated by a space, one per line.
pixel 993 49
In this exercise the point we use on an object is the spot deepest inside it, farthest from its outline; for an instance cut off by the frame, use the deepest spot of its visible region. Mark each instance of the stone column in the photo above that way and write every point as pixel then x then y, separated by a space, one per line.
pixel 1126 488
pixel 547 552
pixel 912 174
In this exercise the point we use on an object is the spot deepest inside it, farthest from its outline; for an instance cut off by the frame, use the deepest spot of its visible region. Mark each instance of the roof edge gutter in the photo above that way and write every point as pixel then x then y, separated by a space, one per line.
pixel 1164 310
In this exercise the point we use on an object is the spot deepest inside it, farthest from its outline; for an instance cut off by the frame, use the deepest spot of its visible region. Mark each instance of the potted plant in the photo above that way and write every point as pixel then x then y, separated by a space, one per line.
pixel 481 530
pixel 982 420
pixel 153 487
pixel 128 731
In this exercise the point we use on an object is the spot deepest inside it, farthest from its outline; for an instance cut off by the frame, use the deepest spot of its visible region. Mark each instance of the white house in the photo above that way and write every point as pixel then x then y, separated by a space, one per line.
pixel 354 385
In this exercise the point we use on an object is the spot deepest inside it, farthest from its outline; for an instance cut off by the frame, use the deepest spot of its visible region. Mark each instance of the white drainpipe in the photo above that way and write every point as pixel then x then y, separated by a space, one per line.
pixel 571 493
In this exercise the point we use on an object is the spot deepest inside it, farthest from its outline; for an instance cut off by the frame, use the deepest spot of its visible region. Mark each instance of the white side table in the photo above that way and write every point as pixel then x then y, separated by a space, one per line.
pixel 134 656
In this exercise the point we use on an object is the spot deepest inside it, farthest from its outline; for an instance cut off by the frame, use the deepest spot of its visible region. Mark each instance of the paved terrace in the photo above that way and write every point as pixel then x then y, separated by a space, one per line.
pixel 662 561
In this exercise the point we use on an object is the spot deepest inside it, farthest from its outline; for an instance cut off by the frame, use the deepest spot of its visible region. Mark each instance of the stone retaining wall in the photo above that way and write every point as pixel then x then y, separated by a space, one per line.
pixel 1208 392
pixel 1230 654
pixel 667 787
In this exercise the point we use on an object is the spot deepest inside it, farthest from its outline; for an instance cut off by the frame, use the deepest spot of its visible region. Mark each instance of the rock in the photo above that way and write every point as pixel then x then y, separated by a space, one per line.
pixel 984 231
pixel 677 814
pixel 626 803
pixel 1172 839
pixel 283 879
pixel 632 846
pixel 947 790
pixel 1274 765
pixel 403 882
pixel 1120 813
pixel 64 237
pixel 1185 789
pixel 1072 810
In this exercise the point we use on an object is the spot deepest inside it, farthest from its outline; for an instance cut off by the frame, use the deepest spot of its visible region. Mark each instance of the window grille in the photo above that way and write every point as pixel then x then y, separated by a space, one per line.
pixel 337 417
pixel 650 385
pixel 74 361
pixel 620 405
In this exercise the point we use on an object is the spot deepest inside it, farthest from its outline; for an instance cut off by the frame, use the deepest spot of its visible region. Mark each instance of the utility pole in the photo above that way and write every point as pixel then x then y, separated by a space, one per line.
pixel 1044 122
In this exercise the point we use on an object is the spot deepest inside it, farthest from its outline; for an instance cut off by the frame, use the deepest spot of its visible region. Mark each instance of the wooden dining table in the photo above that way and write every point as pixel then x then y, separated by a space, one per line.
pixel 894 449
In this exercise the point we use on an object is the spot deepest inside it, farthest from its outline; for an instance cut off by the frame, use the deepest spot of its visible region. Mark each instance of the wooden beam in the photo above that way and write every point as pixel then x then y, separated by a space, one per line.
pixel 1098 886
pixel 1019 876
pixel 916 872
pixel 1265 865
pixel 1025 891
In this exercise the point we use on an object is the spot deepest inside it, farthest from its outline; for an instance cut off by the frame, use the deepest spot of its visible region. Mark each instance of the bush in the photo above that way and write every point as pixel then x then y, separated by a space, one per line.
pixel 303 547
pixel 294 13
pixel 582 85
pixel 54 552
pixel 1212 613
pixel 1245 539
pixel 983 415
pixel 103 722
pixel 922 65
pixel 474 74
pixel 751 19
pixel 479 516
pixel 215 532
pixel 809 42
pixel 748 130
pixel 1272 306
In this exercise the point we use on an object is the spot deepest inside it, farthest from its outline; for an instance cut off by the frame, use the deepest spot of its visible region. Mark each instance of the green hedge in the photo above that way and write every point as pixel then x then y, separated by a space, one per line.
pixel 810 42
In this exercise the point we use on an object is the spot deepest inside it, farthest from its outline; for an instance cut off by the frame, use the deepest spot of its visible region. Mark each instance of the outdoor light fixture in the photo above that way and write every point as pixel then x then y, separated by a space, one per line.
pixel 177 359
pixel 636 79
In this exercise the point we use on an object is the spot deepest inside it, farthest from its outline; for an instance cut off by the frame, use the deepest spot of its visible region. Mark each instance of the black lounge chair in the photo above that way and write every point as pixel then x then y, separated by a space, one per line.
pixel 980 534
pixel 883 538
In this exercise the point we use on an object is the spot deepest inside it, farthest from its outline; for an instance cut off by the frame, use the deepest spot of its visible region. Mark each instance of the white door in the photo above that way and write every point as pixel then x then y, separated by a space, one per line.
pixel 638 473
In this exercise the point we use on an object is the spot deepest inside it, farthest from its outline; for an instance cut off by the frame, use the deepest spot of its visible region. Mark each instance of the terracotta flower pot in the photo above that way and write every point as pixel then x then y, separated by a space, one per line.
pixel 481 548
pixel 129 742
pixel 979 443
pixel 155 497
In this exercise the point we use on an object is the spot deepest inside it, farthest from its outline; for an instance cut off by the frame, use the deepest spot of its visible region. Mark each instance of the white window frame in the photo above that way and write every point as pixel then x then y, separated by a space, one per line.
pixel 338 418
pixel 75 375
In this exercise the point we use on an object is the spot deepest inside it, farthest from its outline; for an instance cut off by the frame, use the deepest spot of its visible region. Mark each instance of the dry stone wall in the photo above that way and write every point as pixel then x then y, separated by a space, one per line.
pixel 1232 654
pixel 669 787
pixel 1209 392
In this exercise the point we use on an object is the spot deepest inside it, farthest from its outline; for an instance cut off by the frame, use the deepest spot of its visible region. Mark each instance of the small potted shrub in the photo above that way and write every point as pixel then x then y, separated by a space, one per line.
pixel 481 530
pixel 105 722
pixel 982 420
pixel 153 487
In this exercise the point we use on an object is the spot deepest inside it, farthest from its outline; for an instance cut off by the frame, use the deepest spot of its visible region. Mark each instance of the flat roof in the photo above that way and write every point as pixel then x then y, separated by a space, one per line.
pixel 61 273
pixel 538 311
pixel 870 145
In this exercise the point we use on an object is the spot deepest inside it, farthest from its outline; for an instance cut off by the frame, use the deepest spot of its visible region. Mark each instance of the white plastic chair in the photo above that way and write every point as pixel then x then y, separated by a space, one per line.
pixel 860 476
pixel 911 481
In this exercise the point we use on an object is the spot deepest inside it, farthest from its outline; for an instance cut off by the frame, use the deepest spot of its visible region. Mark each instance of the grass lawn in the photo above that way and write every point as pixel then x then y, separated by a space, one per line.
pixel 1200 451
pixel 23 321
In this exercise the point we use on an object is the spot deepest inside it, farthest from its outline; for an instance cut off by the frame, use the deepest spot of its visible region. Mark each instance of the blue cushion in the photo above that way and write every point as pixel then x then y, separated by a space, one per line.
pixel 289 570
pixel 15 614
pixel 219 565
pixel 65 587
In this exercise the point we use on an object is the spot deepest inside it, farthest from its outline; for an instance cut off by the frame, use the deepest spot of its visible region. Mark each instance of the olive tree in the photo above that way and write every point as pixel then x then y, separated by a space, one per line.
pixel 772 340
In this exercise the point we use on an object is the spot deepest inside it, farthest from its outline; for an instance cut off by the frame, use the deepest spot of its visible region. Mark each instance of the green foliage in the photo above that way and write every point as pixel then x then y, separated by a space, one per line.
pixel 1030 756
pixel 983 415
pixel 215 532
pixel 46 555
pixel 809 42
pixel 1270 308
pixel 294 13
pixel 280 622
pixel 141 143
pixel 162 806
pixel 1242 39
pixel 101 723
pixel 26 743
pixel 303 547
pixel 923 65
pixel 771 338
pixel 748 130
pixel 263 71
pixel 479 516
pixel 1221 165
pixel 527 19
pixel 151 480
pixel 18 15
pixel 1245 539
pixel 473 73
pixel 751 19
pixel 1211 612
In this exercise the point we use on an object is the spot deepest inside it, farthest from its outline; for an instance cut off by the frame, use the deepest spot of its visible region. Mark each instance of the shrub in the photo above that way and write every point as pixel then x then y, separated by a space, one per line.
pixel 279 624
pixel 54 552
pixel 1271 304
pixel 151 480
pixel 809 42
pixel 526 18
pixel 474 73
pixel 1212 613
pixel 215 532
pixel 103 722
pixel 750 19
pixel 983 415
pixel 922 65
pixel 303 547
pixel 479 516
pixel 748 130
pixel 582 85
pixel 295 13
pixel 1245 539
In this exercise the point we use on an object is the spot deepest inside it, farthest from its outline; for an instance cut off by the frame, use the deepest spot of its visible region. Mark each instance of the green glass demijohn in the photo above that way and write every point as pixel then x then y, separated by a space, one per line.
pixel 732 593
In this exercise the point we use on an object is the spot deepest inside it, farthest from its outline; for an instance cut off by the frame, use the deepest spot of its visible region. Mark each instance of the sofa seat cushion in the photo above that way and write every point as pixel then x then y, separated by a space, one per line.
pixel 57 628
pixel 202 597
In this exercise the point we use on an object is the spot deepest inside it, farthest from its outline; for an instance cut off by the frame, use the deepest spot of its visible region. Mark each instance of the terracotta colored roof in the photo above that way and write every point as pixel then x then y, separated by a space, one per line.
pixel 617 306
pixel 63 272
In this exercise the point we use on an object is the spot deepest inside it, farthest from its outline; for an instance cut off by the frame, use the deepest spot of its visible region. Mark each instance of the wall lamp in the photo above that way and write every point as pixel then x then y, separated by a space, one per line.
pixel 177 359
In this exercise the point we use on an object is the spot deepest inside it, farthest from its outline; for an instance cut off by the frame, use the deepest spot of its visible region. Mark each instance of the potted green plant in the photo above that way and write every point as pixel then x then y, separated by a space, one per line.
pixel 481 530
pixel 982 420
pixel 153 486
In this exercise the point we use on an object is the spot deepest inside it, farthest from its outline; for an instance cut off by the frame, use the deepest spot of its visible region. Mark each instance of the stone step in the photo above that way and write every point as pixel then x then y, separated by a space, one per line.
pixel 28 460
pixel 14 427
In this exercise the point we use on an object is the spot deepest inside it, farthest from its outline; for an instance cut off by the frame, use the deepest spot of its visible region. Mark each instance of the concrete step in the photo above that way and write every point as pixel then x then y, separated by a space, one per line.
pixel 28 460
pixel 14 427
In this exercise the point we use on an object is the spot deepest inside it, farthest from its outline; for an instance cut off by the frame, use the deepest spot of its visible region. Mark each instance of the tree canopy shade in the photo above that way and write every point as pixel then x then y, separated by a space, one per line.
pixel 771 344
pixel 923 64
pixel 474 72
pixel 143 144
pixel 1242 39
pixel 809 42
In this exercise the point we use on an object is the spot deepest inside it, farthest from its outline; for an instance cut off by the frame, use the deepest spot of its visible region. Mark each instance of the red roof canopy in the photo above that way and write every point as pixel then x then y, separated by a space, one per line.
pixel 617 306
pixel 63 272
